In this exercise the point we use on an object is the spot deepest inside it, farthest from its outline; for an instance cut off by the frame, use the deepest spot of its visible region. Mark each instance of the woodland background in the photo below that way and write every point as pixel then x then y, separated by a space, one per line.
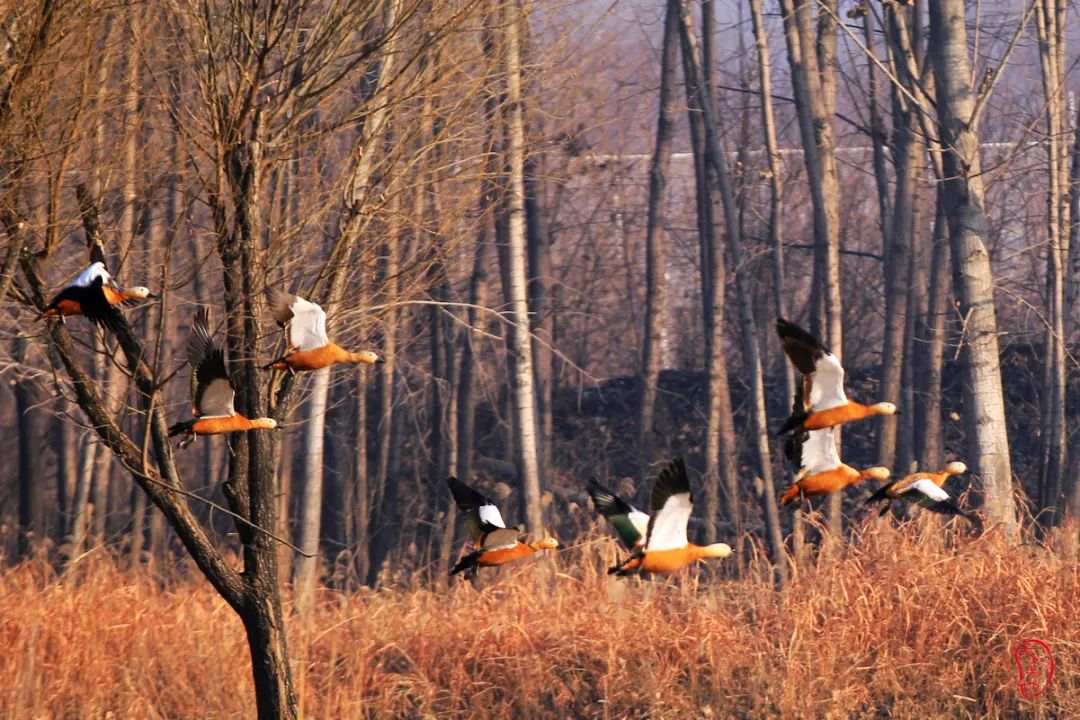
pixel 642 185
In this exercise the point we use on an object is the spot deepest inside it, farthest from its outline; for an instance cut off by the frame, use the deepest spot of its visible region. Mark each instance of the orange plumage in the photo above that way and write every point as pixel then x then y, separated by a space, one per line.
pixel 838 416
pixel 64 308
pixel 219 425
pixel 666 561
pixel 317 359
pixel 505 555
pixel 824 483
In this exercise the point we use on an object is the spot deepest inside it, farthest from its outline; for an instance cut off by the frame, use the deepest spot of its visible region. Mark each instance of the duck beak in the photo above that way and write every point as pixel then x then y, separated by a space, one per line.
pixel 380 360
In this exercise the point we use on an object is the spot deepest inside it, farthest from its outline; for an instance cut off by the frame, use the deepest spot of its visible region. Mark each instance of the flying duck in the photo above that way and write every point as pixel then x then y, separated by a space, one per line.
pixel 495 543
pixel 820 469
pixel 89 295
pixel 666 547
pixel 309 347
pixel 212 391
pixel 928 490
pixel 826 404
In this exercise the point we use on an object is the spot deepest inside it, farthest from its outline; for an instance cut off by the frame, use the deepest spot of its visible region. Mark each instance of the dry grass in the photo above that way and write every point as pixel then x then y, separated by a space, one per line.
pixel 892 625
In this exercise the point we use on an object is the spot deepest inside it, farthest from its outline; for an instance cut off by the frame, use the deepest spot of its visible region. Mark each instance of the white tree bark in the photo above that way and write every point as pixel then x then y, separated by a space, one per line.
pixel 524 396
pixel 973 282
pixel 305 568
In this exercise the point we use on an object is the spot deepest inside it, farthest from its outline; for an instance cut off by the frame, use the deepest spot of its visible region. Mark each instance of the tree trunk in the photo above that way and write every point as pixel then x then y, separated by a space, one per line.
pixel 906 152
pixel 67 466
pixel 776 189
pixel 387 529
pixel 519 347
pixel 1050 18
pixel 720 446
pixel 305 569
pixel 984 406
pixel 931 331
pixel 813 83
pixel 655 254
pixel 31 483
pixel 361 485
pixel 385 493
pixel 538 241
pixel 747 322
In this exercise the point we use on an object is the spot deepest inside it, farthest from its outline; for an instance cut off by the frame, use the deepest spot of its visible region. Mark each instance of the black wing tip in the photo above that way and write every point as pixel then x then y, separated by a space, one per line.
pixel 605 501
pixel 466 497
pixel 794 422
pixel 671 480
pixel 789 330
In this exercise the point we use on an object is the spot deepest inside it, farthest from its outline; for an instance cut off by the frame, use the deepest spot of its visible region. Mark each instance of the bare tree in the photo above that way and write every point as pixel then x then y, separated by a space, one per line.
pixel 747 322
pixel 984 406
pixel 655 255
pixel 512 261
pixel 810 56
pixel 776 189
pixel 1050 28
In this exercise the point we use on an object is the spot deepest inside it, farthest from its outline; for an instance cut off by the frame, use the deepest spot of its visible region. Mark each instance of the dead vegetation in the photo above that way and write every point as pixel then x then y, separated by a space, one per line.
pixel 891 624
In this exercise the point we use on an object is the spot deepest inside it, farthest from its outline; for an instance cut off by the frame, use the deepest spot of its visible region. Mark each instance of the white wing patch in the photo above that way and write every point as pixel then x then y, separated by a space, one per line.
pixel 928 488
pixel 669 525
pixel 639 520
pixel 491 515
pixel 827 387
pixel 92 273
pixel 819 452
pixel 307 329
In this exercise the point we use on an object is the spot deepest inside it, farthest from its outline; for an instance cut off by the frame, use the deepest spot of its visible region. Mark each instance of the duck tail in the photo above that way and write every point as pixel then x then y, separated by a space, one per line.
pixel 880 494
pixel 466 563
pixel 790 494
pixel 794 422
pixel 272 363
pixel 181 427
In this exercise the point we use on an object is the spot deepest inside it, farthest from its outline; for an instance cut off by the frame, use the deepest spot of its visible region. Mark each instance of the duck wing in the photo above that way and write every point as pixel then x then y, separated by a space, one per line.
pixel 213 393
pixel 482 517
pixel 306 320
pixel 823 375
pixel 671 504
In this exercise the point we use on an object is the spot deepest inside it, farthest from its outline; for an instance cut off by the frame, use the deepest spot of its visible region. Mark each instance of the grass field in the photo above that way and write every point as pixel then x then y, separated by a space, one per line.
pixel 892 624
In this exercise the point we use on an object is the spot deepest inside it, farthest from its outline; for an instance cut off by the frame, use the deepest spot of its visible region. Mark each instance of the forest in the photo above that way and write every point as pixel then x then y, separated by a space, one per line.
pixel 272 271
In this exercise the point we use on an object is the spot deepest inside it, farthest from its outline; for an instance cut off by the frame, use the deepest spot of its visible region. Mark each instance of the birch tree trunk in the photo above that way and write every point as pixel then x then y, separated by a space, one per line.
pixel 720 445
pixel 928 449
pixel 538 242
pixel 1050 29
pixel 776 188
pixel 655 254
pixel 812 78
pixel 305 569
pixel 984 406
pixel 519 347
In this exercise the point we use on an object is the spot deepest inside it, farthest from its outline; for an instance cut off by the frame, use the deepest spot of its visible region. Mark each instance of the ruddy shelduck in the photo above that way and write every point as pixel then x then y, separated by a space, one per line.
pixel 630 524
pixel 212 391
pixel 824 400
pixel 666 547
pixel 926 489
pixel 820 469
pixel 90 295
pixel 309 346
pixel 495 543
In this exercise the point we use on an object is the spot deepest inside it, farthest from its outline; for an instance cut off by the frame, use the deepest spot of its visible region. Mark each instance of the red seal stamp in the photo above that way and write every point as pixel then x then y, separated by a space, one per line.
pixel 1036 666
